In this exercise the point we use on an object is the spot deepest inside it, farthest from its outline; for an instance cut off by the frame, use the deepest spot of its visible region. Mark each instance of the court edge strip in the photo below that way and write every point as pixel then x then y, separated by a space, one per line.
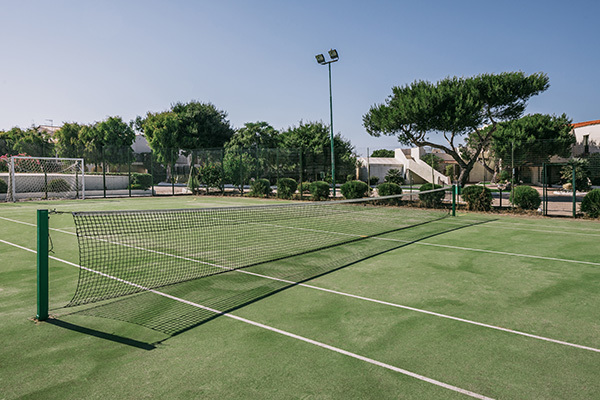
pixel 279 331
pixel 433 313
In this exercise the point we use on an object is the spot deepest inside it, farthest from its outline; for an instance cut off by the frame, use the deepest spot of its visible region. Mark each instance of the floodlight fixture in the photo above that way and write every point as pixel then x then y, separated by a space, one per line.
pixel 334 55
pixel 320 59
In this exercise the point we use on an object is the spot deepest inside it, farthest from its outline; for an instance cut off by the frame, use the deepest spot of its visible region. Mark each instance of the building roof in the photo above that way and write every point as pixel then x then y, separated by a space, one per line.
pixel 580 124
pixel 382 160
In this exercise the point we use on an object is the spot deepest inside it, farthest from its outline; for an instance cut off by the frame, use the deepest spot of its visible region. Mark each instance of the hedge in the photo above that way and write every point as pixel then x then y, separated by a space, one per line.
pixel 478 198
pixel 525 197
pixel 591 203
pixel 319 190
pixel 354 189
pixel 260 188
pixel 431 200
pixel 286 187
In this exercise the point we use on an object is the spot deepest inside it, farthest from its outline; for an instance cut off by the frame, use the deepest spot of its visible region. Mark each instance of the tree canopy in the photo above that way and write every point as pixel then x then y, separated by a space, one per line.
pixel 383 153
pixel 454 107
pixel 32 141
pixel 254 134
pixel 201 126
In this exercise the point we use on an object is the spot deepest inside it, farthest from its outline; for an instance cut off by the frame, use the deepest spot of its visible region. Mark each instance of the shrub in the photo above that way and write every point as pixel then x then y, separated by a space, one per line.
pixel 478 198
pixel 350 177
pixel 58 185
pixel 388 189
pixel 591 203
pixel 582 166
pixel 394 176
pixel 3 186
pixel 286 187
pixel 504 176
pixel 141 181
pixel 354 189
pixel 319 190
pixel 431 199
pixel 260 188
pixel 374 180
pixel 526 198
pixel 304 187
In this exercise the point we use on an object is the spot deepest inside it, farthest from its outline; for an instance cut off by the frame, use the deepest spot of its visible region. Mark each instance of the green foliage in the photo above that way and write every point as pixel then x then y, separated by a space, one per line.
pixel 286 187
pixel 388 189
pixel 383 153
pixel 594 162
pixel 374 180
pixel 354 189
pixel 260 188
pixel 430 159
pixel 454 107
pixel 319 190
pixel 210 175
pixel 504 176
pixel 3 186
pixel 450 171
pixel 582 171
pixel 532 138
pixel 141 181
pixel 200 126
pixel 160 130
pixel 58 185
pixel 431 200
pixel 478 198
pixel 254 134
pixel 32 141
pixel 314 139
pixel 304 187
pixel 525 197
pixel 394 176
pixel 69 142
pixel 591 203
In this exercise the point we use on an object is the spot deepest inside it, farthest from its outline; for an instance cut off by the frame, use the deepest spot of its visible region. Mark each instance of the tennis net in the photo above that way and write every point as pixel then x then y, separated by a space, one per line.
pixel 153 248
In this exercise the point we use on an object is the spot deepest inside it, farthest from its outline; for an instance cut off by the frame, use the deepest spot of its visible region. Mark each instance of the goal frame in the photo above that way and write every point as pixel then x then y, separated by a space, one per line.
pixel 12 175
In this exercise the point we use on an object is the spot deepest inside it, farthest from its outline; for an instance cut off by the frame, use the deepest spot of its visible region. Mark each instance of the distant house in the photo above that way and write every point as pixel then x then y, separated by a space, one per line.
pixel 588 138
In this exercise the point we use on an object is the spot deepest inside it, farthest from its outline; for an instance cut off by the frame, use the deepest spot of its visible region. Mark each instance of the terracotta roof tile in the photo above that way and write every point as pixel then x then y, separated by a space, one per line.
pixel 580 124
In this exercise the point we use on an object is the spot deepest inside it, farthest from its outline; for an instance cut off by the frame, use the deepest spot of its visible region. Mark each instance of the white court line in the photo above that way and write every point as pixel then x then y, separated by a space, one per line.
pixel 497 225
pixel 279 331
pixel 499 328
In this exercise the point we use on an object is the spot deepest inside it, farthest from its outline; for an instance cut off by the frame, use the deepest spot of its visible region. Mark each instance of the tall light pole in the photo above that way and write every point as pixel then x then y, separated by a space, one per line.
pixel 333 54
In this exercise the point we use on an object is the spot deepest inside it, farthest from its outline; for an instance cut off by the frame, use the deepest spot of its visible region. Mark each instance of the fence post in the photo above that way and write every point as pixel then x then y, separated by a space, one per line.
pixel 42 265
pixel 103 172
pixel 129 169
pixel 454 200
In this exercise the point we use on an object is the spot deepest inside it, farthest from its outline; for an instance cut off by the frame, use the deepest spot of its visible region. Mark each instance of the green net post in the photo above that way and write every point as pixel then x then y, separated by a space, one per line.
pixel 454 200
pixel 103 173
pixel 42 265
pixel 574 193
pixel 129 170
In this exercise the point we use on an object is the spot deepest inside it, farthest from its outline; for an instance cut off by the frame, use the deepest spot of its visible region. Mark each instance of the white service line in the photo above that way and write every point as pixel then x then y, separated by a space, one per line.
pixel 499 328
pixel 279 331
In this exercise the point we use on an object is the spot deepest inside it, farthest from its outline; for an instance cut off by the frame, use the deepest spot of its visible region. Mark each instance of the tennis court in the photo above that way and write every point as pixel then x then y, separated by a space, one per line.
pixel 439 307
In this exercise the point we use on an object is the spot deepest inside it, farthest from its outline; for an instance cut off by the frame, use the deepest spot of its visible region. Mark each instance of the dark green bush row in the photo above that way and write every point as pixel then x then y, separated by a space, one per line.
pixel 3 186
pixel 434 199
pixel 286 187
pixel 260 188
pixel 478 198
pixel 591 203
pixel 354 189
pixel 319 190
pixel 525 197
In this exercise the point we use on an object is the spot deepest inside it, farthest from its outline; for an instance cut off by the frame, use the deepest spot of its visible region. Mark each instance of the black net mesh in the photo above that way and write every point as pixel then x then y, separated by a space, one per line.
pixel 126 252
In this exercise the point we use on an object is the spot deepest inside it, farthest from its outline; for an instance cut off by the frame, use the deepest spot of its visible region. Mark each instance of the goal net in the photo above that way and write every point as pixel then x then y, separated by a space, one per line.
pixel 43 178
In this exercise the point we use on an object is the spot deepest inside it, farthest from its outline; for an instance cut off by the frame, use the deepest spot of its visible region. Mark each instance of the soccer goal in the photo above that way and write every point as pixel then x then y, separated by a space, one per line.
pixel 44 178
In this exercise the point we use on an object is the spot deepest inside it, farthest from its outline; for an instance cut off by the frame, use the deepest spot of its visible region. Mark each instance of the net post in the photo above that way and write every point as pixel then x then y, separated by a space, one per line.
pixel 42 265
pixel 454 200
pixel 129 170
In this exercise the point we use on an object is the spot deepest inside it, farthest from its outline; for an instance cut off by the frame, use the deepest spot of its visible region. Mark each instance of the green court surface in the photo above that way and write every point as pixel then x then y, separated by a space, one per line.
pixel 472 306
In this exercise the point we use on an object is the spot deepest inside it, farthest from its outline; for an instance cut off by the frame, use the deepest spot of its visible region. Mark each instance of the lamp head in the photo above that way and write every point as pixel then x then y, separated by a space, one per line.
pixel 334 54
pixel 320 58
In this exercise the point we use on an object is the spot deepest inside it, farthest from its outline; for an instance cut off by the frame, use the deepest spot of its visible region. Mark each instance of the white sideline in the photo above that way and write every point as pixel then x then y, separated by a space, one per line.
pixel 279 331
pixel 499 328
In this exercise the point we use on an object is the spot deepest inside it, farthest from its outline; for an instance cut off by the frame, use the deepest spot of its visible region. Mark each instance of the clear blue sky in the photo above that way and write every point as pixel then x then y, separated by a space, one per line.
pixel 81 61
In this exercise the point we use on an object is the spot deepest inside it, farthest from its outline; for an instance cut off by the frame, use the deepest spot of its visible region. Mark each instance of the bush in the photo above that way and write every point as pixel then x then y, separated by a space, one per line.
pixel 286 187
pixel 319 190
pixel 504 176
pixel 260 188
pixel 350 177
pixel 354 189
pixel 388 189
pixel 394 176
pixel 58 185
pixel 478 198
pixel 526 198
pixel 591 203
pixel 582 166
pixel 141 181
pixel 431 199
pixel 3 186
pixel 374 180
pixel 211 175
pixel 304 187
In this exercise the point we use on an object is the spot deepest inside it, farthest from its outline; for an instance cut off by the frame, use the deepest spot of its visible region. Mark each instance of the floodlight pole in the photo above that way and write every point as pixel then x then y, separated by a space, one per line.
pixel 333 54
pixel 331 132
